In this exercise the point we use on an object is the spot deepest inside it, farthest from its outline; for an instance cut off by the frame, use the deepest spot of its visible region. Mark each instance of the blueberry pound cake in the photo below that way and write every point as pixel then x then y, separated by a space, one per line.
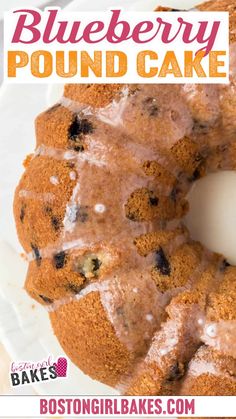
pixel 133 300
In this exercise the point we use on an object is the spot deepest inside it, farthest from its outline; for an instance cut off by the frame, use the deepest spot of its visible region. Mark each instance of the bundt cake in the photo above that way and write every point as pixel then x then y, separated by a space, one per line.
pixel 133 300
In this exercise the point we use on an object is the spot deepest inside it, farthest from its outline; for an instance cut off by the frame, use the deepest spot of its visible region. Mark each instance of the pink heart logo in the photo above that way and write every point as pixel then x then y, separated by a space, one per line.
pixel 61 367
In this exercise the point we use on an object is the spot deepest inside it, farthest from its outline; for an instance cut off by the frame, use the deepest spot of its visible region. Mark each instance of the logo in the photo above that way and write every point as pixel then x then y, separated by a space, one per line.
pixel 28 372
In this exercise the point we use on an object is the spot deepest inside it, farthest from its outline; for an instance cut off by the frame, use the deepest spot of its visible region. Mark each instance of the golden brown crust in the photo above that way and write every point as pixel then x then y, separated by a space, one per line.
pixel 52 127
pixel 183 267
pixel 222 6
pixel 57 275
pixel 97 95
pixel 138 206
pixel 217 377
pixel 39 205
pixel 222 302
pixel 161 371
pixel 218 5
pixel 70 324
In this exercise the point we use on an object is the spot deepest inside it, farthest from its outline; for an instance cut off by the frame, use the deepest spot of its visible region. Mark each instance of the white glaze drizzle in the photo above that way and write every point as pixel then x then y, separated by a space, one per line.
pixel 46 196
pixel 96 156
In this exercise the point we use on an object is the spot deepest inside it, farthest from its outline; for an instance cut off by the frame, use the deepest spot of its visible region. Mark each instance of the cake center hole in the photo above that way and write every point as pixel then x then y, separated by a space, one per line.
pixel 212 215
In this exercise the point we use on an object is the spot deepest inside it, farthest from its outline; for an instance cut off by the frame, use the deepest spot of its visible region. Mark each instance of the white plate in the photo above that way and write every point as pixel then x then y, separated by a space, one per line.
pixel 24 326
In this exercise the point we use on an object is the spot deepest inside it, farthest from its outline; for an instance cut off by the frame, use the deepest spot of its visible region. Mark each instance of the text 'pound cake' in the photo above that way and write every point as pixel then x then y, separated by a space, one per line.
pixel 133 300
